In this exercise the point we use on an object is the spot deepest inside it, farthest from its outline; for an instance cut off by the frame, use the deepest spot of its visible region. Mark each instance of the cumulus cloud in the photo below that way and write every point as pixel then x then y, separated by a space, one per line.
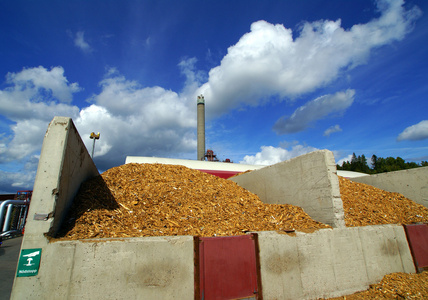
pixel 194 78
pixel 314 110
pixel 30 100
pixel 269 61
pixel 132 119
pixel 37 84
pixel 270 155
pixel 81 43
pixel 18 180
pixel 147 121
pixel 332 129
pixel 415 132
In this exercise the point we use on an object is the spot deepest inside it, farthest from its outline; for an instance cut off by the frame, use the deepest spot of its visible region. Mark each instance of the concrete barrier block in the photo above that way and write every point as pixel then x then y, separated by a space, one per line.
pixel 134 268
pixel 348 261
pixel 280 266
pixel 316 263
pixel 404 248
pixel 381 248
pixel 63 165
pixel 309 181
pixel 137 268
pixel 330 262
pixel 53 279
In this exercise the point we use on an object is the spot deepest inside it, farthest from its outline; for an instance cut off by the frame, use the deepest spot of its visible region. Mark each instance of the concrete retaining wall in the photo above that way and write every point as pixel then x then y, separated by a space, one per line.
pixel 308 181
pixel 327 263
pixel 134 268
pixel 330 263
pixel 63 165
pixel 412 183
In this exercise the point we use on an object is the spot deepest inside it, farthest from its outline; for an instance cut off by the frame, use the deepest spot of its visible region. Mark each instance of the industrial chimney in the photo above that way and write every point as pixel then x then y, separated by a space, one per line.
pixel 201 127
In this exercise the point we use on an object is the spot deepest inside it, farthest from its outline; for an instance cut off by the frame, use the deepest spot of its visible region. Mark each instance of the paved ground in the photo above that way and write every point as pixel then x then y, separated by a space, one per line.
pixel 9 253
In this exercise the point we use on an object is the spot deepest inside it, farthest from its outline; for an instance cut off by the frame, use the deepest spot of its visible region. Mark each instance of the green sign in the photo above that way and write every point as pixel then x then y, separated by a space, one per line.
pixel 29 262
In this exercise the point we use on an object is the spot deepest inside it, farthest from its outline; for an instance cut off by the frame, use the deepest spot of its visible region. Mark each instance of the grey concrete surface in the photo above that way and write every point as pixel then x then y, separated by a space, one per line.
pixel 309 181
pixel 331 262
pixel 412 183
pixel 63 165
pixel 134 268
pixel 9 253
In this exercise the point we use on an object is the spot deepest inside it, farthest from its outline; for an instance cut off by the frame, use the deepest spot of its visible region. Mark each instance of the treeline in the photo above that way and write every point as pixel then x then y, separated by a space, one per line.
pixel 379 164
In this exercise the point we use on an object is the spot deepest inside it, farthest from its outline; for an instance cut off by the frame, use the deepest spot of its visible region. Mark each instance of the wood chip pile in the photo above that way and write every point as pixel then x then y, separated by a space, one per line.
pixel 395 286
pixel 366 205
pixel 156 200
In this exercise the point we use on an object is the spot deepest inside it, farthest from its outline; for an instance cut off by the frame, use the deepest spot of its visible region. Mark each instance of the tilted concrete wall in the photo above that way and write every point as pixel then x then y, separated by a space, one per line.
pixel 63 165
pixel 331 262
pixel 309 181
pixel 412 183
pixel 132 268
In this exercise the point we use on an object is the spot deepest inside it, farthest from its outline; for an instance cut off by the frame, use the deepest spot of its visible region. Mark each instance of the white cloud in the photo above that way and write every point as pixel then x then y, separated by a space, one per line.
pixel 314 110
pixel 270 155
pixel 30 100
pixel 147 121
pixel 268 61
pixel 345 159
pixel 37 82
pixel 133 120
pixel 332 129
pixel 415 132
pixel 194 78
pixel 79 42
pixel 18 180
pixel 27 139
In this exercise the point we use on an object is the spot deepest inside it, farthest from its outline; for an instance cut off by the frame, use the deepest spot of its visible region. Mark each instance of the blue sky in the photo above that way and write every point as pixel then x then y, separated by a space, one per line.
pixel 280 79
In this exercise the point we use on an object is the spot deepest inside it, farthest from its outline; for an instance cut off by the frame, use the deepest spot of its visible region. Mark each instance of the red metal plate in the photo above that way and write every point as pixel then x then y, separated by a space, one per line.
pixel 228 268
pixel 417 235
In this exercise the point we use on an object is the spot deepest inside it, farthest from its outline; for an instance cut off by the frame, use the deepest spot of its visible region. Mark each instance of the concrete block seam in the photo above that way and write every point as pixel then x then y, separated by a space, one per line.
pixel 71 272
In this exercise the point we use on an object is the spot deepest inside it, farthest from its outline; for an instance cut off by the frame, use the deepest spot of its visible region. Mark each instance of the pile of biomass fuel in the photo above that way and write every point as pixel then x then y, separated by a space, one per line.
pixel 157 200
pixel 395 286
pixel 366 205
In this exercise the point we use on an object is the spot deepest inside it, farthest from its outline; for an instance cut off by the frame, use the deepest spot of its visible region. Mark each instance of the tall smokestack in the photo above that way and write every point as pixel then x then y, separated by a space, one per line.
pixel 201 127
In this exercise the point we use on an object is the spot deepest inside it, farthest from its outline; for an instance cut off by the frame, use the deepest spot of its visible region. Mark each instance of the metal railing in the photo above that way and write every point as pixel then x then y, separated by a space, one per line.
pixel 13 214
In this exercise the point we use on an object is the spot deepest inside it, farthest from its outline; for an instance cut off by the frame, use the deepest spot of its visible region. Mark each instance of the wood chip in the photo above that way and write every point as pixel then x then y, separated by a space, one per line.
pixel 395 286
pixel 156 200
pixel 366 205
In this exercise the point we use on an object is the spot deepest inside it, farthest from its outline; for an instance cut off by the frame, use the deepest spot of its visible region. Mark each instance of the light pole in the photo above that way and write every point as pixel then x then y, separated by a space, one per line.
pixel 94 137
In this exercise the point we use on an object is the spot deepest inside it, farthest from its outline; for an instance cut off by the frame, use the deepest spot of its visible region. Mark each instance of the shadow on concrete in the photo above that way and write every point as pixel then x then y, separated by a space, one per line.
pixel 93 194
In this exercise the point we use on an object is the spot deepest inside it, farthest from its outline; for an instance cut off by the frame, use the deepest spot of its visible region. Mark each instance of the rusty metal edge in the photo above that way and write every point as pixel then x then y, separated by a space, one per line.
pixel 197 277
pixel 259 275
pixel 415 263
